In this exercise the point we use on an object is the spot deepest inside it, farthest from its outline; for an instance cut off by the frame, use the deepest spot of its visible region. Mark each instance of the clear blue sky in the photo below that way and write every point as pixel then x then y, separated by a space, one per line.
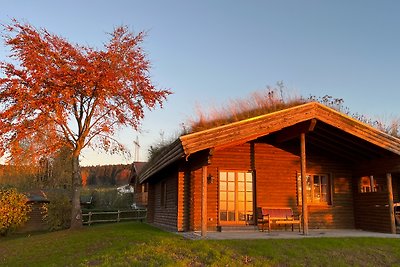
pixel 208 52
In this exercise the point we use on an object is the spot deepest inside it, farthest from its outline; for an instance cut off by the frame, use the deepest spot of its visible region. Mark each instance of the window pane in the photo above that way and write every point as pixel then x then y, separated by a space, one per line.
pixel 241 196
pixel 222 186
pixel 249 196
pixel 316 179
pixel 222 176
pixel 231 216
pixel 223 216
pixel 317 192
pixel 231 186
pixel 240 186
pixel 249 206
pixel 324 189
pixel 309 197
pixel 231 206
pixel 240 206
pixel 231 196
pixel 324 179
pixel 222 196
pixel 240 176
pixel 222 205
pixel 249 187
pixel 242 216
pixel 249 177
pixel 231 176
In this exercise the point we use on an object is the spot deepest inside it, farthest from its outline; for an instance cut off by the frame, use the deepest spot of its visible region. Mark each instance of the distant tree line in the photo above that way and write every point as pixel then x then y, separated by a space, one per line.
pixel 106 175
pixel 51 173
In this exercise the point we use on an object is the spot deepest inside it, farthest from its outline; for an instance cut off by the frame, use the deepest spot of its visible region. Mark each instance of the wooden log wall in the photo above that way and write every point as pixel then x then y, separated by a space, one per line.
pixel 165 214
pixel 277 171
pixel 234 158
pixel 371 212
pixel 396 187
pixel 184 201
pixel 151 202
pixel 195 199
pixel 371 209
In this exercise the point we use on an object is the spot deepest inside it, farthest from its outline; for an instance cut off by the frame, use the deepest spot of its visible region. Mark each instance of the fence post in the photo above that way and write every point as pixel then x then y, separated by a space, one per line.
pixel 118 216
pixel 90 217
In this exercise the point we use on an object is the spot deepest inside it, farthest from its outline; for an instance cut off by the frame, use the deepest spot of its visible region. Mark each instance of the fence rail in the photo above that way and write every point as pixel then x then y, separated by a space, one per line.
pixel 114 216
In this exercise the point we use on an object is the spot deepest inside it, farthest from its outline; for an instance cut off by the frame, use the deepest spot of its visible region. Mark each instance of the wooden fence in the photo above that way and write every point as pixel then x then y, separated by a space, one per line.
pixel 114 216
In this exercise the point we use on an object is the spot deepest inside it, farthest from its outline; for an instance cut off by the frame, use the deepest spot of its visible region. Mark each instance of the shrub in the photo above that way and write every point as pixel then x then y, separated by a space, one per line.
pixel 57 213
pixel 110 199
pixel 13 210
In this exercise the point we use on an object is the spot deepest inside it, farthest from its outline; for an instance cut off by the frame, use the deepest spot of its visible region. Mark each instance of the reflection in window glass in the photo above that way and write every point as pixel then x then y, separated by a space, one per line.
pixel 317 188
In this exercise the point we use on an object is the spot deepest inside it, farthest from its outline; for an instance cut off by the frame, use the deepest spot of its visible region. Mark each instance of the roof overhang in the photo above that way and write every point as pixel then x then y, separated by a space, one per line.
pixel 306 115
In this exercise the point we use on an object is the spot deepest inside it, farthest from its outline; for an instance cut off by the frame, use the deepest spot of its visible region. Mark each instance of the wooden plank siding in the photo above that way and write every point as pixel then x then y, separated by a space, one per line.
pixel 35 221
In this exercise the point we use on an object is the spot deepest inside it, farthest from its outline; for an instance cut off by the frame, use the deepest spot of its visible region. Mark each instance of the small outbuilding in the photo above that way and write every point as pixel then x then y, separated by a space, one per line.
pixel 139 189
pixel 35 222
pixel 336 171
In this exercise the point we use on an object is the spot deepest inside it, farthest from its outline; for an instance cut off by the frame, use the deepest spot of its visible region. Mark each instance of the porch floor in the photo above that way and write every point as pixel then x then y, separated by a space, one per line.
pixel 313 233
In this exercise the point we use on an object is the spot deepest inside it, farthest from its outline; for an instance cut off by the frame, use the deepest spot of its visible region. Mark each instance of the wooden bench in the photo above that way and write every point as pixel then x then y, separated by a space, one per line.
pixel 277 216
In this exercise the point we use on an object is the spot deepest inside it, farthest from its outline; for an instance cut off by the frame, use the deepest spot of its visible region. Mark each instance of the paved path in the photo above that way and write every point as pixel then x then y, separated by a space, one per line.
pixel 284 234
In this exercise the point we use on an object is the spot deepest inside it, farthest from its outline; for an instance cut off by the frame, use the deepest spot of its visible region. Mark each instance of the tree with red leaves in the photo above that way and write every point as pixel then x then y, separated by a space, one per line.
pixel 58 94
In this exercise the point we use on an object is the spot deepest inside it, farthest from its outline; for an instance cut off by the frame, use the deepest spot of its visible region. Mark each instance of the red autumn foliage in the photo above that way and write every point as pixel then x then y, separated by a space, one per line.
pixel 62 94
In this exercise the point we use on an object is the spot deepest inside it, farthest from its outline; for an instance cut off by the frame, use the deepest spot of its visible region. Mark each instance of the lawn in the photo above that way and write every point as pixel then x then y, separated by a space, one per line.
pixel 138 244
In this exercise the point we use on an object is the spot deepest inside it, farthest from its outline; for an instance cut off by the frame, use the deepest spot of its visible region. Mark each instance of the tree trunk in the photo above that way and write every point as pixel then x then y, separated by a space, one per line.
pixel 76 215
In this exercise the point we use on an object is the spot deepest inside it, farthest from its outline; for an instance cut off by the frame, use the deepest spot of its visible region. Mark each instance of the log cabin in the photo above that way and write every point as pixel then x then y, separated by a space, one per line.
pixel 336 171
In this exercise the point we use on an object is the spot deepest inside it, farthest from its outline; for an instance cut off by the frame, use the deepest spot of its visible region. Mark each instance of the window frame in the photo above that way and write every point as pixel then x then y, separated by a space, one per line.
pixel 369 184
pixel 237 190
pixel 311 199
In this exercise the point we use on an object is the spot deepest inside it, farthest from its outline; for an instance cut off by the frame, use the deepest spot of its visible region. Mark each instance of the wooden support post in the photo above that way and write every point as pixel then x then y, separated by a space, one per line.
pixel 391 207
pixel 304 183
pixel 204 202
pixel 254 174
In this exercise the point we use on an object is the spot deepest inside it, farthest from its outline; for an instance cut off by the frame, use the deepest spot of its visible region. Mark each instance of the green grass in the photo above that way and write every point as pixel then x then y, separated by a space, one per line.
pixel 138 244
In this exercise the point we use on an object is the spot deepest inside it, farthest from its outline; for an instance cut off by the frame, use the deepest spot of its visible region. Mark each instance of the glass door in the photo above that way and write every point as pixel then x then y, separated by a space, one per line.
pixel 235 196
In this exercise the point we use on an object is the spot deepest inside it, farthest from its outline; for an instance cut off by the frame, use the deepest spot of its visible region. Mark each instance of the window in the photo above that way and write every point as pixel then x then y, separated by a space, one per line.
pixel 235 196
pixel 163 195
pixel 318 189
pixel 369 184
